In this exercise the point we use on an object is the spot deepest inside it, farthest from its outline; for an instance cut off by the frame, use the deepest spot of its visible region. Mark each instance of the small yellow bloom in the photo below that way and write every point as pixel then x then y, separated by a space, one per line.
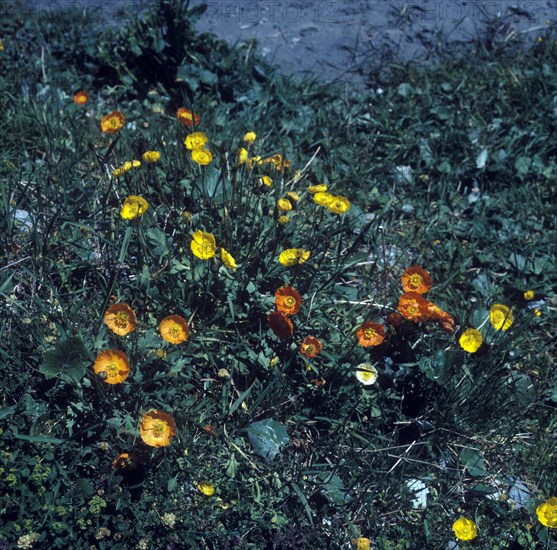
pixel 254 160
pixel 320 188
pixel 136 163
pixel 283 220
pixel 203 245
pixel 151 156
pixel 361 543
pixel 292 196
pixel 339 205
pixel 134 207
pixel 465 529
pixel 500 317
pixel 266 180
pixel 1 45
pixel 537 312
pixel 284 205
pixel 323 199
pixel 206 488
pixel 242 155
pixel 197 140
pixel 121 170
pixel 202 156
pixel 228 261
pixel 250 137
pixel 547 513
pixel 529 295
pixel 293 256
pixel 471 340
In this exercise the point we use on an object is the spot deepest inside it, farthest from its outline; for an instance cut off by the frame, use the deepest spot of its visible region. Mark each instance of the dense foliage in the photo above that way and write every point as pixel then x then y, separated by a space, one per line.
pixel 168 281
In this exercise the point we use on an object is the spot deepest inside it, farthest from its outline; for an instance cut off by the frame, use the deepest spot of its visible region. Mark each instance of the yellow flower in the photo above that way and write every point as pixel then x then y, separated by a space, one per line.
pixel 112 366
pixel 254 160
pixel 203 245
pixel 537 312
pixel 284 205
pixel 465 529
pixel 339 205
pixel 529 295
pixel 174 329
pixel 471 340
pixel 1 45
pixel 157 429
pixel 126 167
pixel 361 543
pixel 250 137
pixel 500 317
pixel 320 188
pixel 242 155
pixel 206 488
pixel 266 180
pixel 151 156
pixel 134 207
pixel 293 256
pixel 323 199
pixel 136 163
pixel 202 156
pixel 293 197
pixel 367 374
pixel 283 220
pixel 197 140
pixel 113 122
pixel 547 513
pixel 228 261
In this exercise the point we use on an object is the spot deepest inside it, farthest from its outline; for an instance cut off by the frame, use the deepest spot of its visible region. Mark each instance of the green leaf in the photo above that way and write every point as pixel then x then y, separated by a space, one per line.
pixel 171 485
pixel 266 438
pixel 66 361
pixel 473 461
pixel 39 439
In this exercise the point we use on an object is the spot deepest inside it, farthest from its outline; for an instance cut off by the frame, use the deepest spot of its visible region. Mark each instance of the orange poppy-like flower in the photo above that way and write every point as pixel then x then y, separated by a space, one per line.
pixel 187 118
pixel 113 122
pixel 435 313
pixel 112 366
pixel 280 324
pixel 416 279
pixel 120 318
pixel 413 306
pixel 174 329
pixel 370 334
pixel 288 300
pixel 125 462
pixel 81 97
pixel 393 319
pixel 310 347
pixel 157 428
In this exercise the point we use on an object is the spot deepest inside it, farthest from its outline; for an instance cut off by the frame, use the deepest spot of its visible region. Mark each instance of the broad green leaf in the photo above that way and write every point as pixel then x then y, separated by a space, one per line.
pixel 68 360
pixel 266 438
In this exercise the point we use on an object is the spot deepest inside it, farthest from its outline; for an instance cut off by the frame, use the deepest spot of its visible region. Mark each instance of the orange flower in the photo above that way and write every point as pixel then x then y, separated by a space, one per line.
pixel 81 97
pixel 288 300
pixel 174 329
pixel 370 334
pixel 310 347
pixel 113 122
pixel 435 313
pixel 280 324
pixel 210 429
pixel 120 318
pixel 413 306
pixel 394 320
pixel 415 279
pixel 126 461
pixel 187 118
pixel 112 366
pixel 157 428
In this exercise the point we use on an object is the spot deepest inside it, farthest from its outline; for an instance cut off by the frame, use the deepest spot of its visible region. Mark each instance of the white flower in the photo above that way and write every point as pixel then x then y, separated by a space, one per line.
pixel 367 374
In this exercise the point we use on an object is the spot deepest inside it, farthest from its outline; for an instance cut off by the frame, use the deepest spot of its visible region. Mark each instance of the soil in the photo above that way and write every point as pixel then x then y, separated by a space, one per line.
pixel 343 39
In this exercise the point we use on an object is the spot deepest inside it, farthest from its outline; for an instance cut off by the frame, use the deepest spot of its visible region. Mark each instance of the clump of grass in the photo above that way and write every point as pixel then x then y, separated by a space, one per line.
pixel 163 315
